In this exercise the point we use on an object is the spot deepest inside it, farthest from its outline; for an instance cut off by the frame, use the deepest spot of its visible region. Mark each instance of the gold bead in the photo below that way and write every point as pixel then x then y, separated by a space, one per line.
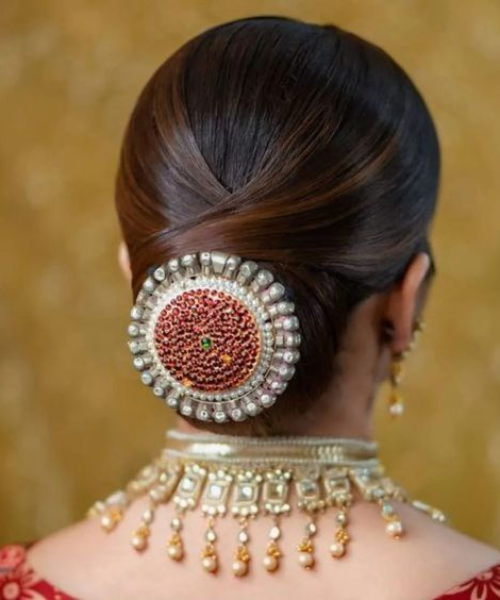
pixel 306 545
pixel 342 536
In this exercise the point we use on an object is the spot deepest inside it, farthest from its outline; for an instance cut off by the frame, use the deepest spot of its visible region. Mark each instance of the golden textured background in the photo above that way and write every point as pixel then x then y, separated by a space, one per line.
pixel 74 420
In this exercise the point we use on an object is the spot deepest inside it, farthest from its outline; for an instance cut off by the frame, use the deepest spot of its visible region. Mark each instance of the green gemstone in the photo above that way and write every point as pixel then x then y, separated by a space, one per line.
pixel 206 343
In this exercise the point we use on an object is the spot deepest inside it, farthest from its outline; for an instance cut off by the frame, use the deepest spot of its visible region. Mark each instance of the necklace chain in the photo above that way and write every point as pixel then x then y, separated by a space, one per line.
pixel 249 478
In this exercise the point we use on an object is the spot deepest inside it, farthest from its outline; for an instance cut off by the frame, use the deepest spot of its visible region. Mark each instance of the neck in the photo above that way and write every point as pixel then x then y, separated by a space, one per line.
pixel 339 413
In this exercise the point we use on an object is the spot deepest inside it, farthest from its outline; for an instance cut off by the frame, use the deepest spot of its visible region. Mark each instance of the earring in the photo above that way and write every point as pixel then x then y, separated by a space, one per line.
pixel 396 402
pixel 418 328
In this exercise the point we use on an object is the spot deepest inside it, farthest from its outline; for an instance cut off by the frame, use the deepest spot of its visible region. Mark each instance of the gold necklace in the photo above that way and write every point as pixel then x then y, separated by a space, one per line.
pixel 252 477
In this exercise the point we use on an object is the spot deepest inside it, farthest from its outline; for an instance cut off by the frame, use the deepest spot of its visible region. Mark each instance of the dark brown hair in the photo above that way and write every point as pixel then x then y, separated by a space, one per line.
pixel 300 146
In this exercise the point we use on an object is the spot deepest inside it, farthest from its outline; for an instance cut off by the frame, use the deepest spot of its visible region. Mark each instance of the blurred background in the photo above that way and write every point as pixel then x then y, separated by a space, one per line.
pixel 75 423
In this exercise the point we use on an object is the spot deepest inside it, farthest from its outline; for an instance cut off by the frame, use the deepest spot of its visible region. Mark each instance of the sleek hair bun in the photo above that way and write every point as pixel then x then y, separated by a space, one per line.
pixel 300 146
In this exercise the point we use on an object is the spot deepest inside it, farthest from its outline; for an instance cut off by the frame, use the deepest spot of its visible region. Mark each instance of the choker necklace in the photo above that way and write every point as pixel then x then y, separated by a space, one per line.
pixel 248 478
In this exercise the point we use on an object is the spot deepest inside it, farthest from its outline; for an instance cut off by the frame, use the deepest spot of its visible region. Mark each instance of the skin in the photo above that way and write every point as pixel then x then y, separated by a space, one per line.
pixel 430 559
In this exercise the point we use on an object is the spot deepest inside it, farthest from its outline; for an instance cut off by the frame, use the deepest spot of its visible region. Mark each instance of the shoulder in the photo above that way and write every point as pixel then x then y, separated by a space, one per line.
pixel 78 559
pixel 89 563
pixel 429 561
pixel 440 555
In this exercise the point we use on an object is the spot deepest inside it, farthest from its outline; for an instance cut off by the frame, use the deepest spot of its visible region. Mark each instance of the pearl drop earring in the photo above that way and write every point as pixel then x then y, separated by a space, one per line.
pixel 396 401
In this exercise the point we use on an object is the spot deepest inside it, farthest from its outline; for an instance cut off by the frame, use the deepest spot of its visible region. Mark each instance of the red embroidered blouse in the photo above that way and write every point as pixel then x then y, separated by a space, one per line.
pixel 18 581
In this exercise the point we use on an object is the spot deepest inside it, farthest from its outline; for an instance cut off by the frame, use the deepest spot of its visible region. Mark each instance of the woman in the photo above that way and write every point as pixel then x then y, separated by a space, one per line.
pixel 276 190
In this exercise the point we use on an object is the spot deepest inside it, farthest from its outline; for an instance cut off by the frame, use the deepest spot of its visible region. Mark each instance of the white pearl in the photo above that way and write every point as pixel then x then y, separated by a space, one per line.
pixel 175 552
pixel 270 563
pixel 394 528
pixel 239 568
pixel 243 537
pixel 176 524
pixel 397 409
pixel 139 542
pixel 107 523
pixel 211 536
pixel 337 550
pixel 306 559
pixel 341 518
pixel 148 516
pixel 209 564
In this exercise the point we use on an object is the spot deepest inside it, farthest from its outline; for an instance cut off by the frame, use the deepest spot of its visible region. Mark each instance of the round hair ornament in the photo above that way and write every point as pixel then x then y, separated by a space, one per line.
pixel 214 336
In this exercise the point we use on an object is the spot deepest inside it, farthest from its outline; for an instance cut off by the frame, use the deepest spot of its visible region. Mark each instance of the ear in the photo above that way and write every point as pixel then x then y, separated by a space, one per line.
pixel 405 303
pixel 124 261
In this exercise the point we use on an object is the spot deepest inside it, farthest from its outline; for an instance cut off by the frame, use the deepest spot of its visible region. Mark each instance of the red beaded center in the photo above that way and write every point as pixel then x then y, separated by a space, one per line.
pixel 207 340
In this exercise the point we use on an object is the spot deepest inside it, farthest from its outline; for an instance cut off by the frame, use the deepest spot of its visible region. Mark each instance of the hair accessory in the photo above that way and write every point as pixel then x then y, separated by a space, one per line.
pixel 214 337
pixel 247 478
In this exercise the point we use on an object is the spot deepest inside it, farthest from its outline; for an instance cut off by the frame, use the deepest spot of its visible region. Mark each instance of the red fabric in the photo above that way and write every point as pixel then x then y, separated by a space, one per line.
pixel 485 586
pixel 18 581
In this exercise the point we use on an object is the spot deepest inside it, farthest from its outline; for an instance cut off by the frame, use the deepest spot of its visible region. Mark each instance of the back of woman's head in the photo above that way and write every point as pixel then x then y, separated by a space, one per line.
pixel 299 146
